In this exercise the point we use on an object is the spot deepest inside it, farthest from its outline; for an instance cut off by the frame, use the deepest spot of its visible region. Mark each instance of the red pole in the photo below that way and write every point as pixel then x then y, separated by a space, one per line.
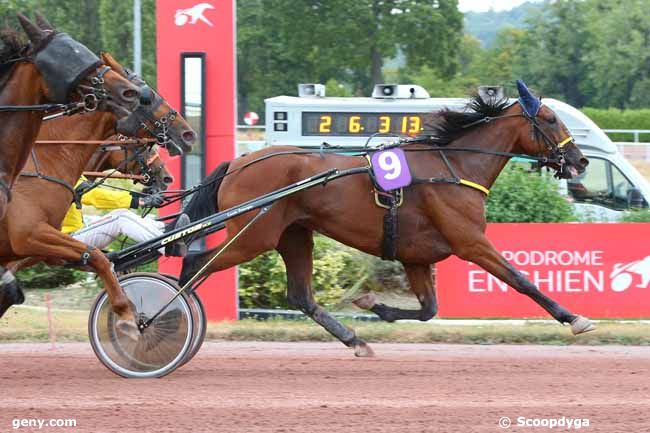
pixel 50 321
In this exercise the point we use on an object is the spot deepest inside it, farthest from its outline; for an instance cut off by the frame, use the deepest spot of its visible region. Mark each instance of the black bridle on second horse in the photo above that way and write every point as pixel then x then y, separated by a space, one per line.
pixel 143 117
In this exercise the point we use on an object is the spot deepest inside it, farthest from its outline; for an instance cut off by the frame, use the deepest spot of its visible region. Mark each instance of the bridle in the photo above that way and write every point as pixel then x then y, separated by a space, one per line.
pixel 90 95
pixel 143 156
pixel 556 150
pixel 143 117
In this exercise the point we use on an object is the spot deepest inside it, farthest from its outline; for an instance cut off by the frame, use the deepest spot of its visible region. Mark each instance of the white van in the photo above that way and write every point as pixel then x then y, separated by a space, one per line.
pixel 609 186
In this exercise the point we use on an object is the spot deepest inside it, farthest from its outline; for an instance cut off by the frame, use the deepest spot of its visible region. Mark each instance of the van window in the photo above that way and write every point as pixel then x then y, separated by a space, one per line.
pixel 602 183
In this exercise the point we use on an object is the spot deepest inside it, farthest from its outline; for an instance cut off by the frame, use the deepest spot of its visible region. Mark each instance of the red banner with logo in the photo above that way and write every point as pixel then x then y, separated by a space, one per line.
pixel 206 28
pixel 597 270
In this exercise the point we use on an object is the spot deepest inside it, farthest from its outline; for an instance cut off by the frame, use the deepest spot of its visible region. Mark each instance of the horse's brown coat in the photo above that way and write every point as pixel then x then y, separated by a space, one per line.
pixel 32 227
pixel 436 220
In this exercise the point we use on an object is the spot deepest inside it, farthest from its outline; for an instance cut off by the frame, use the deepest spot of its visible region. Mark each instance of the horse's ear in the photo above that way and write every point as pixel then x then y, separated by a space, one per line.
pixel 43 23
pixel 107 58
pixel 34 33
pixel 529 102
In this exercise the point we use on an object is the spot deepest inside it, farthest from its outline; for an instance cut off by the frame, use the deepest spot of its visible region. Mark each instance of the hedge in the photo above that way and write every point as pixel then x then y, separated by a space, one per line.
pixel 614 118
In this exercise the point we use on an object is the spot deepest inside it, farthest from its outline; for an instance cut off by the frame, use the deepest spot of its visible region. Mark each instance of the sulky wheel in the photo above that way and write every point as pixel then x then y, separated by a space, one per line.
pixel 162 346
pixel 200 321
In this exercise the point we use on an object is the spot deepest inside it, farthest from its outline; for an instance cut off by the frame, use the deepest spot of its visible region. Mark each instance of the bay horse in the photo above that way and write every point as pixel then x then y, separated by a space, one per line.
pixel 55 70
pixel 32 228
pixel 436 220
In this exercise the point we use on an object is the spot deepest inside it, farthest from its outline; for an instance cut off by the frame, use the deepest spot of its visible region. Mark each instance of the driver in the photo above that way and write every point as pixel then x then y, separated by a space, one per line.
pixel 99 232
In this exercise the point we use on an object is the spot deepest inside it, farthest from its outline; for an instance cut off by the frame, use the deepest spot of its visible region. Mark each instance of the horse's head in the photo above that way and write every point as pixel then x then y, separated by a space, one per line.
pixel 141 160
pixel 154 117
pixel 548 136
pixel 71 72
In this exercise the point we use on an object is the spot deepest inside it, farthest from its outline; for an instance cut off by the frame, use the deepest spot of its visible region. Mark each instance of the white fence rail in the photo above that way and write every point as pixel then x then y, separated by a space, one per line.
pixel 635 132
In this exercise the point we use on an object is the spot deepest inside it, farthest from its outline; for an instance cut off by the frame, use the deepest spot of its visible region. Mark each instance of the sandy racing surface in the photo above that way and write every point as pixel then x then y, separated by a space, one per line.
pixel 321 387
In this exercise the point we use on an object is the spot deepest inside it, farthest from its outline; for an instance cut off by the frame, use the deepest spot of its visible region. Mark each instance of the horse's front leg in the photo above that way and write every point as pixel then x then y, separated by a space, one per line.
pixel 47 242
pixel 421 282
pixel 483 253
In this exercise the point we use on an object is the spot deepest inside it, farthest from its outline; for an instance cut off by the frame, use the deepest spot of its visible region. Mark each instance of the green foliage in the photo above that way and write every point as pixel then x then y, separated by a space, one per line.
pixel 102 25
pixel 262 282
pixel 281 43
pixel 614 118
pixel 637 216
pixel 485 26
pixel 42 276
pixel 117 34
pixel 339 274
pixel 521 196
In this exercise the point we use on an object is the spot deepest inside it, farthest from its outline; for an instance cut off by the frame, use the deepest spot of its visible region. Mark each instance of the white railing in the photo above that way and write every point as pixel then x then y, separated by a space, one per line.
pixel 635 132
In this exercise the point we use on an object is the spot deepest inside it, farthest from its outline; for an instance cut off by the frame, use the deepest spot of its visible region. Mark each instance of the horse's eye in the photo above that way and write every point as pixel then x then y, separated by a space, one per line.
pixel 552 120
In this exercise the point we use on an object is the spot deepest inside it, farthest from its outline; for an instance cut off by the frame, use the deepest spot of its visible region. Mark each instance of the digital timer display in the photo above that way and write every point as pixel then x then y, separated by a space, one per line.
pixel 361 124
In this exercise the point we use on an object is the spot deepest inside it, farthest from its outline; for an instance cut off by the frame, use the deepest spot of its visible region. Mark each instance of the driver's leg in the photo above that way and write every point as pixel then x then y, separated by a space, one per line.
pixel 105 230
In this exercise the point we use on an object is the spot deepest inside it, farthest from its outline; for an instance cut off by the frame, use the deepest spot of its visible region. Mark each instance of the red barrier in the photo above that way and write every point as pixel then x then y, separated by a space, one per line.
pixel 598 270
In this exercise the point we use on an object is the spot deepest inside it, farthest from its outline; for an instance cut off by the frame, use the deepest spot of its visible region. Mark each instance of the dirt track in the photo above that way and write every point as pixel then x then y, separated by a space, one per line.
pixel 316 387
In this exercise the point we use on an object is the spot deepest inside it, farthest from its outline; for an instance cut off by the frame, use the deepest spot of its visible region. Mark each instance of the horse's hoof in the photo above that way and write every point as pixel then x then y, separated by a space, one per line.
pixel 362 350
pixel 10 292
pixel 128 328
pixel 580 325
pixel 365 302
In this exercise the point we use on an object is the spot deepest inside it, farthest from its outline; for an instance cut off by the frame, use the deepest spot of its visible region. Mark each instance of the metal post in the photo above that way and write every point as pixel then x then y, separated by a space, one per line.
pixel 636 136
pixel 137 38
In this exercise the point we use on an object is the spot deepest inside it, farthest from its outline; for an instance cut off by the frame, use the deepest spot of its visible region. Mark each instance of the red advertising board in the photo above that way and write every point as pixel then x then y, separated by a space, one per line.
pixel 205 30
pixel 597 270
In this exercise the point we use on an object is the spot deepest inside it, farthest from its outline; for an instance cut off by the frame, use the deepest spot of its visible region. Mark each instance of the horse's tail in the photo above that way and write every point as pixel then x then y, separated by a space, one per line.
pixel 203 204
pixel 204 201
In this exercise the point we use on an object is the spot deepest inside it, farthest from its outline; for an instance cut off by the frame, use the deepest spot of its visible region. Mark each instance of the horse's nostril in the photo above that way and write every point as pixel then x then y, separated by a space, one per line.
pixel 189 136
pixel 130 94
pixel 584 162
pixel 168 179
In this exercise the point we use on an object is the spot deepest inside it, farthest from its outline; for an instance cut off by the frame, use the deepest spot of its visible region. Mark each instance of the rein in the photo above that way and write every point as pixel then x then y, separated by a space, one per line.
pixel 556 156
pixel 105 146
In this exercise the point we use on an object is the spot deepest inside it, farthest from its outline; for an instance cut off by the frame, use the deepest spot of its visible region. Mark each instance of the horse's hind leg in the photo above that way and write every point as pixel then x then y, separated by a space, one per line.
pixel 296 247
pixel 421 283
pixel 486 256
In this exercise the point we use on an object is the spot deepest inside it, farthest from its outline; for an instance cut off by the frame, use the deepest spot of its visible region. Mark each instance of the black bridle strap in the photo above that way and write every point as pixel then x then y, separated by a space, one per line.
pixel 39 175
pixel 39 107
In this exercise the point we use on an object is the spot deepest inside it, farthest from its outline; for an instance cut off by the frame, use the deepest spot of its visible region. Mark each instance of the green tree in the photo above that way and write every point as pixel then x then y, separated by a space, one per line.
pixel 282 43
pixel 521 196
pixel 117 34
pixel 617 66
pixel 551 58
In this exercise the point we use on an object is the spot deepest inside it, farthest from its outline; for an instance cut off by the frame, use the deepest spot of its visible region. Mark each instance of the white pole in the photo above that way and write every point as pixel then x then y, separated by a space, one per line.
pixel 137 38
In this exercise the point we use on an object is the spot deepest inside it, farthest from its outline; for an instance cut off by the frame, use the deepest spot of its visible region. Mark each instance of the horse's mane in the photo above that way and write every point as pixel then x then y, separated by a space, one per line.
pixel 448 125
pixel 12 45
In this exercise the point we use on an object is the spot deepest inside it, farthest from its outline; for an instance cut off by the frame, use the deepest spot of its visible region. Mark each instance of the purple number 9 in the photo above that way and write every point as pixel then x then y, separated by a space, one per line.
pixel 390 163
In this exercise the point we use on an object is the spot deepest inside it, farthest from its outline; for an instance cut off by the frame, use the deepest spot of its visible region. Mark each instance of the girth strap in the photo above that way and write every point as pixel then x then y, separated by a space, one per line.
pixel 76 198
pixel 389 239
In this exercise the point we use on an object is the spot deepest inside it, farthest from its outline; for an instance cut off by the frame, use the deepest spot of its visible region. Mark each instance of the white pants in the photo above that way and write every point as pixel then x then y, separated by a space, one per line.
pixel 102 231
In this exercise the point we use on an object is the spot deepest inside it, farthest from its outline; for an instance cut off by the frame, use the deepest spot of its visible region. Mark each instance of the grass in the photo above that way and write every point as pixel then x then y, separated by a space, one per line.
pixel 30 324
